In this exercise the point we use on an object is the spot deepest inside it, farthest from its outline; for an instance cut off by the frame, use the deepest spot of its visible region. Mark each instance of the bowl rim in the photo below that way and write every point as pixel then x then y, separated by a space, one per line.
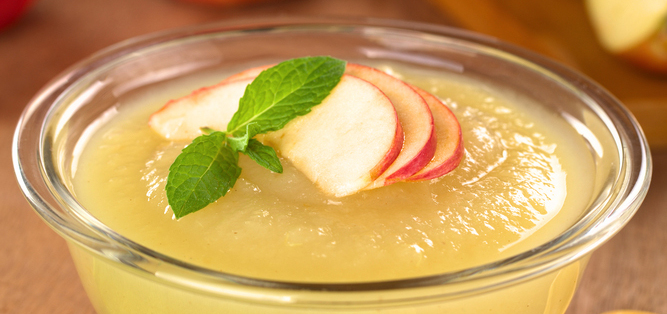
pixel 583 237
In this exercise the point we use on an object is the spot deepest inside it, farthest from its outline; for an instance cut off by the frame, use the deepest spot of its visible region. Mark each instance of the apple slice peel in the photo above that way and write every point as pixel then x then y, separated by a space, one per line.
pixel 449 147
pixel 416 120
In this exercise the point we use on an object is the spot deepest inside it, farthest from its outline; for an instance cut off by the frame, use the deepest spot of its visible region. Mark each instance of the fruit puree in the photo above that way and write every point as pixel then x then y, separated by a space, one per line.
pixel 523 181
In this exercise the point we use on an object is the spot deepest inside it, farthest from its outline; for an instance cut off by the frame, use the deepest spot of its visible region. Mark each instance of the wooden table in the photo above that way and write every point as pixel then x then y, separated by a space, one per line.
pixel 36 272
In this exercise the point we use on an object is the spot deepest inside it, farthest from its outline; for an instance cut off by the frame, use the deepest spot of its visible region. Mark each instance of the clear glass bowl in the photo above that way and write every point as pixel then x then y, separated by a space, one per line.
pixel 121 276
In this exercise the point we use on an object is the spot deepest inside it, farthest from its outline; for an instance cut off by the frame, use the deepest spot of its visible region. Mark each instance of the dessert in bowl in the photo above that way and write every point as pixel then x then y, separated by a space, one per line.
pixel 551 166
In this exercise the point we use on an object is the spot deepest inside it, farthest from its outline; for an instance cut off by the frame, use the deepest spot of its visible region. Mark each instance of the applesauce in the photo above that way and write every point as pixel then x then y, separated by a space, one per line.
pixel 522 182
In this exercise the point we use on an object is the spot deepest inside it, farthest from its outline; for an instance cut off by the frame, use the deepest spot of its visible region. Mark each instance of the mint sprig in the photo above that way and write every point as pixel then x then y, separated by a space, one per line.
pixel 204 171
pixel 208 168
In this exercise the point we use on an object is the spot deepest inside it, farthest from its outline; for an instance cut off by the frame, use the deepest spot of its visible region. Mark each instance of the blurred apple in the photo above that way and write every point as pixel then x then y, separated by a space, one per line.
pixel 11 10
pixel 634 30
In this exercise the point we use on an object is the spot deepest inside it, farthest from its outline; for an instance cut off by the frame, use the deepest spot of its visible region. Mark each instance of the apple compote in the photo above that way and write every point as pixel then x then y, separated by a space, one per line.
pixel 522 181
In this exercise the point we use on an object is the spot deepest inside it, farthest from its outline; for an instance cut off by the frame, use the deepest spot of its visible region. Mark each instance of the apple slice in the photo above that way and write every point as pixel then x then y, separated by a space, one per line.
pixel 449 147
pixel 346 142
pixel 651 54
pixel 633 30
pixel 416 120
pixel 622 24
pixel 342 145
pixel 212 106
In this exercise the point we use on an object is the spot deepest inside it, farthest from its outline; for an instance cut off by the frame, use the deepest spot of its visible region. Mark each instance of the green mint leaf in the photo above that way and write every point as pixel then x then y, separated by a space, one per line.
pixel 203 172
pixel 264 155
pixel 285 91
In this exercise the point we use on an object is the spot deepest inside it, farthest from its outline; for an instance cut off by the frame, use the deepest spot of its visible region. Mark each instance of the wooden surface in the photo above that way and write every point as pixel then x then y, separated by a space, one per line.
pixel 36 272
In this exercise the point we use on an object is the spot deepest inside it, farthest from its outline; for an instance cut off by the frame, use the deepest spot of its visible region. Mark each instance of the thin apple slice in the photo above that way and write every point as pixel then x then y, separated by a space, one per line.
pixel 416 120
pixel 212 106
pixel 449 147
pixel 346 142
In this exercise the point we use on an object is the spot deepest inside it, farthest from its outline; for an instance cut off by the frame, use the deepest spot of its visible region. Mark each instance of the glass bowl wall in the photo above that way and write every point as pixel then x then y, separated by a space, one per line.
pixel 121 276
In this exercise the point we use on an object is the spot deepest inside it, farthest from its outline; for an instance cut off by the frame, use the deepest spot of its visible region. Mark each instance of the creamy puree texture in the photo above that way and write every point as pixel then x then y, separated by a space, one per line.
pixel 525 178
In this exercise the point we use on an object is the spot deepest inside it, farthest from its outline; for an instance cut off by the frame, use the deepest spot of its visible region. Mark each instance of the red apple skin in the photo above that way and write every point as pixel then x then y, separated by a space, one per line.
pixel 11 10
pixel 420 142
pixel 418 162
pixel 449 151
pixel 391 155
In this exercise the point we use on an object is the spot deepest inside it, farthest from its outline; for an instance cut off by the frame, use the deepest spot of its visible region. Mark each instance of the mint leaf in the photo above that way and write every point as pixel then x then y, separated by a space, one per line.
pixel 264 155
pixel 285 91
pixel 203 172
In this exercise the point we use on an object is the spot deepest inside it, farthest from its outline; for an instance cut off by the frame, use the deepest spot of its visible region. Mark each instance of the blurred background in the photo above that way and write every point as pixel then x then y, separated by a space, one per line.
pixel 620 44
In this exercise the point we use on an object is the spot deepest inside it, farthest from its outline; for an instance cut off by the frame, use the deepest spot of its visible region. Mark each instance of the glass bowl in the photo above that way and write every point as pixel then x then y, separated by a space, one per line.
pixel 121 276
